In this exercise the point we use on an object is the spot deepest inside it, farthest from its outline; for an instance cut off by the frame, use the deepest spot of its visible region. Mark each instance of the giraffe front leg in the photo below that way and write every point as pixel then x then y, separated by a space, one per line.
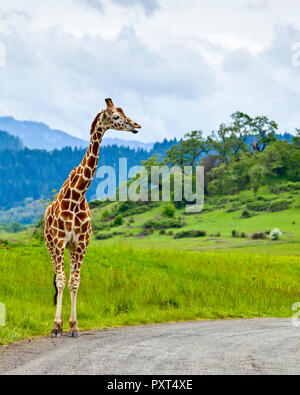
pixel 74 282
pixel 60 284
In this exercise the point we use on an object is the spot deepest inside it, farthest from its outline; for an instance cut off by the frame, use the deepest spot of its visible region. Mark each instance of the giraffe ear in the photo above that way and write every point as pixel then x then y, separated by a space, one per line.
pixel 109 103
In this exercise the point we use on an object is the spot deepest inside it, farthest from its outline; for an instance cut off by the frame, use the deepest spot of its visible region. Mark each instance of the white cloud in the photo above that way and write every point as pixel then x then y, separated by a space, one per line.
pixel 172 69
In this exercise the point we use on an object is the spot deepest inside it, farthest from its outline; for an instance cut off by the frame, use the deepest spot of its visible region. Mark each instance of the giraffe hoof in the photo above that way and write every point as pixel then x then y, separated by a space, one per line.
pixel 73 334
pixel 56 333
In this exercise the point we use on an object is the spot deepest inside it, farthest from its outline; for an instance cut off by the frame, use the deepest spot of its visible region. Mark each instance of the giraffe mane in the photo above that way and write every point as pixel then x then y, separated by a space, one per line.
pixel 95 122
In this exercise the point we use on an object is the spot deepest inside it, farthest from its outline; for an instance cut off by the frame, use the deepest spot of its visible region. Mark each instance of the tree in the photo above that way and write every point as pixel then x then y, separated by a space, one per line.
pixel 188 151
pixel 257 175
pixel 219 142
pixel 169 211
pixel 296 139
pixel 264 130
pixel 261 127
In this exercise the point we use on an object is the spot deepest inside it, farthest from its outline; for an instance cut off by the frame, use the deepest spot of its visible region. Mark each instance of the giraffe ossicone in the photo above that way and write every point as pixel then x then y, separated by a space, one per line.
pixel 68 218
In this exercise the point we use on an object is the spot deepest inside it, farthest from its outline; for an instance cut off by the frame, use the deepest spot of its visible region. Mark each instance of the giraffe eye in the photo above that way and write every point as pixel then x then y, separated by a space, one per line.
pixel 116 117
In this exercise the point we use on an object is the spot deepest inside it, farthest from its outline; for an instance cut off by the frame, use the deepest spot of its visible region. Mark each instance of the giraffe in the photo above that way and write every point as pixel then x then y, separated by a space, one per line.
pixel 68 218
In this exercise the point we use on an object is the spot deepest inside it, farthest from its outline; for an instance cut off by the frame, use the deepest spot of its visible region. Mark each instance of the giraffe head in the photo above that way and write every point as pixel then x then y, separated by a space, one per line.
pixel 114 118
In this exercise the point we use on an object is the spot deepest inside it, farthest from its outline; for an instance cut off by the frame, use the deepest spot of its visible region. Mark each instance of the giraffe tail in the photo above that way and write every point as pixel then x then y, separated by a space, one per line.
pixel 56 291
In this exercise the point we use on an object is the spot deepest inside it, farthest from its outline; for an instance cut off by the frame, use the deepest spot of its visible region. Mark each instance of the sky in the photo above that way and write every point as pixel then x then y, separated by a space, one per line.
pixel 172 65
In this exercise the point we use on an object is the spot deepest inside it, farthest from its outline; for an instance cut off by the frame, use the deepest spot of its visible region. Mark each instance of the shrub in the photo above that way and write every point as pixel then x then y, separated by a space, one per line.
pixel 165 224
pixel 235 233
pixel 190 234
pixel 232 209
pixel 275 234
pixel 101 226
pixel 243 235
pixel 169 211
pixel 258 206
pixel 98 203
pixel 246 214
pixel 105 215
pixel 259 236
pixel 106 236
pixel 279 205
pixel 118 221
pixel 146 232
pixel 101 236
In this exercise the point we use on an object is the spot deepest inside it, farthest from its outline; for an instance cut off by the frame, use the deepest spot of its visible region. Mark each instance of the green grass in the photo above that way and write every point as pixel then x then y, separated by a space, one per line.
pixel 130 280
pixel 216 218
pixel 125 286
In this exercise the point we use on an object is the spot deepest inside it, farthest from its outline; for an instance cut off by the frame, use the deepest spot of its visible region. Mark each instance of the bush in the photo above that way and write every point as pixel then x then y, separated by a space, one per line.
pixel 98 203
pixel 106 215
pixel 106 236
pixel 279 205
pixel 146 232
pixel 258 206
pixel 101 236
pixel 165 224
pixel 190 234
pixel 232 209
pixel 234 233
pixel 273 206
pixel 101 226
pixel 129 208
pixel 118 221
pixel 259 236
pixel 275 234
pixel 169 211
pixel 246 214
pixel 289 187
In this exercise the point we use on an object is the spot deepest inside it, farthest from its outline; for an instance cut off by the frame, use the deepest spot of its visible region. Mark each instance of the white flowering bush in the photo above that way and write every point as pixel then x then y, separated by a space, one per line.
pixel 275 234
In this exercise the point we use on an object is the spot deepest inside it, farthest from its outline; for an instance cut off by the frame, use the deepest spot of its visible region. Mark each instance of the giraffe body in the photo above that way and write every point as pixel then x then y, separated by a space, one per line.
pixel 68 218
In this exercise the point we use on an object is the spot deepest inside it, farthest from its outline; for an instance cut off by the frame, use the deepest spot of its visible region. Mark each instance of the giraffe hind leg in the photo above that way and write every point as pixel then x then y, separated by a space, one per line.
pixel 76 257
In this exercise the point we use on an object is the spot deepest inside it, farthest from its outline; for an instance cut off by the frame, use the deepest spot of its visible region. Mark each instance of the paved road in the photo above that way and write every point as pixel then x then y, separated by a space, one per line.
pixel 264 346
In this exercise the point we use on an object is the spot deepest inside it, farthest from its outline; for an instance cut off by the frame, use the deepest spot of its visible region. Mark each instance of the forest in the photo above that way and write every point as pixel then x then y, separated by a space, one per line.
pixel 34 174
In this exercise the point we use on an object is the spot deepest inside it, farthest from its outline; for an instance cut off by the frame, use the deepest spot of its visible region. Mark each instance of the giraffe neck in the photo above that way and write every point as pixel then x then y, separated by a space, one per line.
pixel 85 172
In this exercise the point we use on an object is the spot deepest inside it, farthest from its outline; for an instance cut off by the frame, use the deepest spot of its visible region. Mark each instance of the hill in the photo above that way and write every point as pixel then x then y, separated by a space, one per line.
pixel 242 221
pixel 34 174
pixel 37 135
pixel 9 142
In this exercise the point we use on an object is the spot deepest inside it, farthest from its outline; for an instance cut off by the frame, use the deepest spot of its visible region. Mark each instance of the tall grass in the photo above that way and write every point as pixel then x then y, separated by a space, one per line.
pixel 124 286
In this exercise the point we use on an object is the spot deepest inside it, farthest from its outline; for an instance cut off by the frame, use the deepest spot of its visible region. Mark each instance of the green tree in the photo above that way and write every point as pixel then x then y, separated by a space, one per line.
pixel 188 151
pixel 169 211
pixel 257 175
pixel 118 221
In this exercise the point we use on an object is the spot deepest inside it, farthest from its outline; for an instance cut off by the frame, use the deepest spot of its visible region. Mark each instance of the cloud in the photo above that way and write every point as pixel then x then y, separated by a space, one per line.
pixel 171 81
pixel 149 6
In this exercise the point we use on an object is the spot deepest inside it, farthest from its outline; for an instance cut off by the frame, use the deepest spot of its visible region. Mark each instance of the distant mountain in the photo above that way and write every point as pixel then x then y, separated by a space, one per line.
pixel 9 142
pixel 133 144
pixel 37 135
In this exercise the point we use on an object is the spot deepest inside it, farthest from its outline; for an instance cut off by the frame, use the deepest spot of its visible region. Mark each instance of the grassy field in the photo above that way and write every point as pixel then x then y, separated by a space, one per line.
pixel 125 286
pixel 133 278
